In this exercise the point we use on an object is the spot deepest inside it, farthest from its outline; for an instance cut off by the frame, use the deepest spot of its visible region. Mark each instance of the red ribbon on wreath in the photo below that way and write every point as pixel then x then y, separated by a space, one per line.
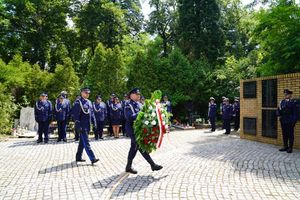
pixel 162 128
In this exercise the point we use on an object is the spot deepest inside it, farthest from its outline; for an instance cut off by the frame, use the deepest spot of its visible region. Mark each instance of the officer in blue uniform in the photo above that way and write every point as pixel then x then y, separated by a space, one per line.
pixel 167 103
pixel 141 102
pixel 62 113
pixel 236 113
pixel 212 112
pixel 108 104
pixel 43 115
pixel 227 115
pixel 83 114
pixel 123 103
pixel 221 110
pixel 100 115
pixel 287 112
pixel 131 111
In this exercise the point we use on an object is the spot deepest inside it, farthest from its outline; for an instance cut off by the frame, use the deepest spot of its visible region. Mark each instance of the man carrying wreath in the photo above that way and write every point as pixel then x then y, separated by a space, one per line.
pixel 131 112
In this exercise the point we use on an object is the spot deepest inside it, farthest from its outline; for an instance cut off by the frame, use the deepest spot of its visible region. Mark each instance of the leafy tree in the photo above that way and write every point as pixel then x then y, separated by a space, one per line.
pixel 7 110
pixel 236 23
pixel 133 15
pixel 33 29
pixel 162 21
pixel 100 21
pixel 65 79
pixel 106 72
pixel 278 33
pixel 199 31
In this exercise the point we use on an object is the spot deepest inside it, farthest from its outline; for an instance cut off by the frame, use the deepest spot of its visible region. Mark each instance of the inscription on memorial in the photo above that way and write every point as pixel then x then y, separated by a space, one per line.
pixel 269 123
pixel 249 125
pixel 249 89
pixel 269 93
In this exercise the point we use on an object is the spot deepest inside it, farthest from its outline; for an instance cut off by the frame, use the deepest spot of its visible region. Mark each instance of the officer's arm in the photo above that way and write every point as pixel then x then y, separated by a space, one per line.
pixel 93 118
pixel 76 114
pixel 50 111
pixel 295 112
pixel 278 112
pixel 129 115
pixel 35 112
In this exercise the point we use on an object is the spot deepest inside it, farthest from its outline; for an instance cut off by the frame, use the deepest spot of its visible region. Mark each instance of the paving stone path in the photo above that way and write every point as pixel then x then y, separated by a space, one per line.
pixel 197 165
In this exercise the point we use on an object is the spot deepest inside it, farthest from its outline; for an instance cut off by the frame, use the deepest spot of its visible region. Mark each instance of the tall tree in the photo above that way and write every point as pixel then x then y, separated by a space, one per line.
pixel 199 32
pixel 106 72
pixel 278 33
pixel 162 21
pixel 33 29
pixel 100 21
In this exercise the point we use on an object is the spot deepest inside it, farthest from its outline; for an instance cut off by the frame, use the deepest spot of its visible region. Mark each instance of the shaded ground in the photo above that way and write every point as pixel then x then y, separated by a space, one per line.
pixel 197 165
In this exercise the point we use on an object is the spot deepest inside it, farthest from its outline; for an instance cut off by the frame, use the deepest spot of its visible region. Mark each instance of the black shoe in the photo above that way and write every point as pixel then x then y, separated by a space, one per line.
pixel 130 170
pixel 283 149
pixel 65 140
pixel 156 167
pixel 213 130
pixel 39 141
pixel 95 160
pixel 58 140
pixel 101 138
pixel 46 141
pixel 226 133
pixel 80 160
pixel 290 150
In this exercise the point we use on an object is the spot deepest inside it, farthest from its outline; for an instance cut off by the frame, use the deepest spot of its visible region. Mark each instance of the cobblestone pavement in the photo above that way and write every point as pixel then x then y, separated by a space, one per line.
pixel 197 165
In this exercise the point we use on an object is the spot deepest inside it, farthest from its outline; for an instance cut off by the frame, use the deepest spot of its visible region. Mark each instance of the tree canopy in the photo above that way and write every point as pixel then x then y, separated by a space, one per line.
pixel 188 49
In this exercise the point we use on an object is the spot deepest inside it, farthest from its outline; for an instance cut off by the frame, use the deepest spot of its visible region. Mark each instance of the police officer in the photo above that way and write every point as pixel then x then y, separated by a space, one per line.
pixel 141 102
pixel 131 111
pixel 167 103
pixel 66 100
pixel 100 115
pixel 43 115
pixel 108 104
pixel 83 114
pixel 212 111
pixel 287 112
pixel 124 102
pixel 221 110
pixel 236 113
pixel 62 112
pixel 227 115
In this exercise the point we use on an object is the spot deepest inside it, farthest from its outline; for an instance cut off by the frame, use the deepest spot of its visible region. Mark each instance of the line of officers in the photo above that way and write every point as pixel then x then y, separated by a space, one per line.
pixel 110 113
pixel 85 113
pixel 228 112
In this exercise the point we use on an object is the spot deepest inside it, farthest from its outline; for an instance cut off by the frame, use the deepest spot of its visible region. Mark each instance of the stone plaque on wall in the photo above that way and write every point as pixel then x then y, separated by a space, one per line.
pixel 269 93
pixel 249 125
pixel 269 123
pixel 249 89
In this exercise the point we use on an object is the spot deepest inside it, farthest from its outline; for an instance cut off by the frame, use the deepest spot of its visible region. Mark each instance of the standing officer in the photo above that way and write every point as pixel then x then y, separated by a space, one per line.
pixel 43 115
pixel 67 101
pixel 83 114
pixel 141 102
pixel 62 112
pixel 212 111
pixel 108 104
pixel 287 112
pixel 226 115
pixel 221 110
pixel 124 102
pixel 167 103
pixel 236 113
pixel 100 115
pixel 131 111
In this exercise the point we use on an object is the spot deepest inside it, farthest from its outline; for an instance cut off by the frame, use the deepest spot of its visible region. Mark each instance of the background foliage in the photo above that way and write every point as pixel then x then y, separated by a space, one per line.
pixel 187 50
